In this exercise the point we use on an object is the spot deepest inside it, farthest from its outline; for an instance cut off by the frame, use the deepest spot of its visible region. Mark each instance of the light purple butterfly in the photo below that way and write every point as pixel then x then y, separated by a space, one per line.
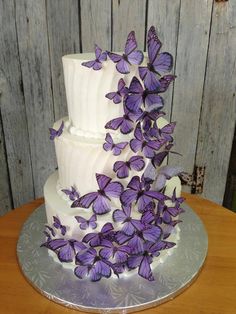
pixel 136 193
pixel 73 194
pixel 57 224
pixel 163 245
pixel 125 123
pixel 165 173
pixel 158 63
pixel 114 252
pixel 122 168
pixel 164 132
pixel 138 96
pixel 123 216
pixel 56 133
pixel 97 63
pixel 85 224
pixel 101 198
pixel 95 238
pixel 130 56
pixel 117 96
pixel 144 144
pixel 115 148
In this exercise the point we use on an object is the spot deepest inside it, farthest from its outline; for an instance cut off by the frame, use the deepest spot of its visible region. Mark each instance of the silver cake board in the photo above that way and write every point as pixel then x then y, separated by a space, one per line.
pixel 113 295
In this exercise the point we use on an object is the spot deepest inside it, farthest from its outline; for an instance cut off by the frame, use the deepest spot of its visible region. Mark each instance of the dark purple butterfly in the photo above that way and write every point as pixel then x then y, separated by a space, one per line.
pixel 95 238
pixel 138 96
pixel 92 264
pixel 137 193
pixel 121 92
pixel 101 198
pixel 97 63
pixel 129 224
pixel 125 123
pixel 122 167
pixel 143 263
pixel 115 148
pixel 73 194
pixel 57 224
pixel 148 117
pixel 112 251
pixel 130 56
pixel 85 224
pixel 56 133
pixel 51 230
pixel 158 63
pixel 144 144
pixel 165 173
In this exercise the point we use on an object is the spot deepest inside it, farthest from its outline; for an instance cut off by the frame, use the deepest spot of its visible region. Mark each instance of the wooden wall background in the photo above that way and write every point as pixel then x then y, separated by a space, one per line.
pixel 34 35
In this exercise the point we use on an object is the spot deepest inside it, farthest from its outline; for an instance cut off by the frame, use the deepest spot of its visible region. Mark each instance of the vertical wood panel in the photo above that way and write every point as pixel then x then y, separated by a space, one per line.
pixel 64 38
pixel 35 63
pixel 128 16
pixel 219 102
pixel 14 121
pixel 95 24
pixel 195 17
pixel 164 15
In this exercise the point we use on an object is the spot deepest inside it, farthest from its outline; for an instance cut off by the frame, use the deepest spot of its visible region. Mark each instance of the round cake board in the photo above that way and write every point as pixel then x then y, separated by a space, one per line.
pixel 113 295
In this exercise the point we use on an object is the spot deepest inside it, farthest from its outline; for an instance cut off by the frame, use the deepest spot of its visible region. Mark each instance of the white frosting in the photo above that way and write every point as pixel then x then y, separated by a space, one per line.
pixel 88 108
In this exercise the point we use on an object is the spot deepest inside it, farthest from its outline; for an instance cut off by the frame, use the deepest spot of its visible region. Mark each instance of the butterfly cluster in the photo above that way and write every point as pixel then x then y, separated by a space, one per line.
pixel 146 215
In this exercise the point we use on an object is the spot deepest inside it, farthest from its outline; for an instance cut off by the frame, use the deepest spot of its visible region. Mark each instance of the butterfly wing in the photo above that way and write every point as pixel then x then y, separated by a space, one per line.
pixel 114 123
pixel 163 63
pixel 137 163
pixel 114 57
pixel 53 133
pixel 121 168
pixel 89 64
pixel 135 57
pixel 109 142
pixel 122 66
pixel 102 180
pixel 153 43
pixel 131 43
pixel 119 147
pixel 85 201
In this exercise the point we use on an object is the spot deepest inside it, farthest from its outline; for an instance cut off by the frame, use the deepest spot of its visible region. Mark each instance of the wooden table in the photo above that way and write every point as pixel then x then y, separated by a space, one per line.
pixel 214 291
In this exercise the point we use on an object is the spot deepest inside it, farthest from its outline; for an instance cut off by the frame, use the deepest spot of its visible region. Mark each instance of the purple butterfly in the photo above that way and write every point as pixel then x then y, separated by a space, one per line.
pixel 169 211
pixel 92 264
pixel 143 263
pixel 73 194
pixel 165 173
pixel 130 225
pixel 148 117
pixel 97 63
pixel 164 132
pixel 138 96
pixel 65 249
pixel 122 167
pixel 130 56
pixel 137 193
pixel 95 238
pixel 158 63
pixel 57 224
pixel 144 144
pixel 115 148
pixel 163 245
pixel 111 251
pixel 101 198
pixel 121 92
pixel 85 224
pixel 125 123
pixel 56 133
pixel 51 230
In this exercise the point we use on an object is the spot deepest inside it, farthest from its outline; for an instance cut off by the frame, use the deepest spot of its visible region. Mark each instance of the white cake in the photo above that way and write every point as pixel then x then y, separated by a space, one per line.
pixel 80 155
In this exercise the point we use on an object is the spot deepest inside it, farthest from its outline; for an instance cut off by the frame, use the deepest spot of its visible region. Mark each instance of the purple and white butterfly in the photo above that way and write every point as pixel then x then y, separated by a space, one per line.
pixel 57 224
pixel 56 133
pixel 125 123
pixel 130 56
pixel 122 168
pixel 138 96
pixel 100 199
pixel 115 148
pixel 97 63
pixel 117 96
pixel 85 224
pixel 144 144
pixel 73 194
pixel 158 63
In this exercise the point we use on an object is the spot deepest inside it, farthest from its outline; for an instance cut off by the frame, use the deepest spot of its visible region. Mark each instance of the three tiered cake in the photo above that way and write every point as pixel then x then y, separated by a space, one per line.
pixel 114 204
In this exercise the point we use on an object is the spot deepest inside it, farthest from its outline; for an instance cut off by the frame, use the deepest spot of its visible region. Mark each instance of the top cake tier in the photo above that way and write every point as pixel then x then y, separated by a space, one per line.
pixel 88 108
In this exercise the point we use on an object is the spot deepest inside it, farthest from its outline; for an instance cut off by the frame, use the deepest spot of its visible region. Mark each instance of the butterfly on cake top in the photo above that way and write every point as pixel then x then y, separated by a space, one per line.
pixel 130 241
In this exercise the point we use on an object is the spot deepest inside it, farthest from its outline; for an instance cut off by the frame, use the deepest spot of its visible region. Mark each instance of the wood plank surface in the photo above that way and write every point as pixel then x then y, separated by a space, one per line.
pixel 212 292
pixel 13 116
pixel 218 115
pixel 194 27
pixel 128 16
pixel 95 24
pixel 64 38
pixel 35 64
pixel 164 15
